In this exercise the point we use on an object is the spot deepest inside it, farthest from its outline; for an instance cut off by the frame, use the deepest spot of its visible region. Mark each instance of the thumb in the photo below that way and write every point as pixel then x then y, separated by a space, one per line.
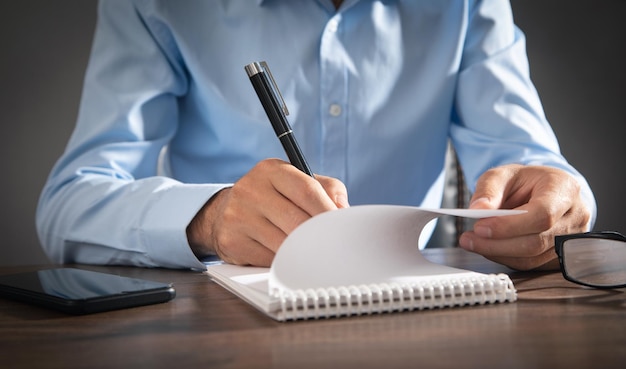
pixel 489 193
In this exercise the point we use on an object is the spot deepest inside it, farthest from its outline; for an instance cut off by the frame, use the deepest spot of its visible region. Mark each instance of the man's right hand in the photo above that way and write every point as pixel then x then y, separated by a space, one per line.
pixel 246 224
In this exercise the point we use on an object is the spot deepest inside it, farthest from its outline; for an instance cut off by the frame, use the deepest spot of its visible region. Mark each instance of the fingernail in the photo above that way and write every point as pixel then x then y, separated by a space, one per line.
pixel 483 231
pixel 466 242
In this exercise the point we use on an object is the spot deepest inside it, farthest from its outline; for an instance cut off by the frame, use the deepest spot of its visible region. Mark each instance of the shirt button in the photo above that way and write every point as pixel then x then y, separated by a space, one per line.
pixel 335 110
pixel 333 24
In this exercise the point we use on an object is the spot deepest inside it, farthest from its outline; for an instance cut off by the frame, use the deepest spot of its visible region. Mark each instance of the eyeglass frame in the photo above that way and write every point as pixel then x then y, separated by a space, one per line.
pixel 559 240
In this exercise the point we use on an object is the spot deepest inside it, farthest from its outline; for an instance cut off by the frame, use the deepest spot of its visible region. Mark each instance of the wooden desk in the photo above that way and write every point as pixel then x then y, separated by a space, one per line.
pixel 554 324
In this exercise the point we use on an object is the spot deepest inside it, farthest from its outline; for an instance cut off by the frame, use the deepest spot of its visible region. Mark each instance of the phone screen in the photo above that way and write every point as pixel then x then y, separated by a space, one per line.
pixel 79 291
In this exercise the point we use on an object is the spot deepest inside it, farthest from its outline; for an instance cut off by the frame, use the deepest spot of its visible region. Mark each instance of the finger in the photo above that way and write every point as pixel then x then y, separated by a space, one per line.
pixel 246 252
pixel 492 187
pixel 264 231
pixel 279 213
pixel 246 239
pixel 304 191
pixel 510 226
pixel 335 189
pixel 268 222
pixel 550 198
pixel 523 253
pixel 528 245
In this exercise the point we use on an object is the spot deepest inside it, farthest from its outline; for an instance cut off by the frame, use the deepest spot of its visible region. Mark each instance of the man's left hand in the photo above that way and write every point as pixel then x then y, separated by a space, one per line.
pixel 554 206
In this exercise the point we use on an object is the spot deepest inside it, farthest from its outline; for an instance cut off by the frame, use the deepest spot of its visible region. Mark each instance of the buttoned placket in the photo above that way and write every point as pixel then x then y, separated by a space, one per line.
pixel 333 100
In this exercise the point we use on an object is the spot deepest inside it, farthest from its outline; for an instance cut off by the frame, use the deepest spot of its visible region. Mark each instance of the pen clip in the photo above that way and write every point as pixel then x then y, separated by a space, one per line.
pixel 277 93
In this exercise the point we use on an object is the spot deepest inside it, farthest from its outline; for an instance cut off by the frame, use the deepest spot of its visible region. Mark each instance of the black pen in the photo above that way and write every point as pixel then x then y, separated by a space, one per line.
pixel 274 105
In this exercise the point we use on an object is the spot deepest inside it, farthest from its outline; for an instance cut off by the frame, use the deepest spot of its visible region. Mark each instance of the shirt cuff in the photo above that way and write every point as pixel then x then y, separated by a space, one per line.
pixel 165 224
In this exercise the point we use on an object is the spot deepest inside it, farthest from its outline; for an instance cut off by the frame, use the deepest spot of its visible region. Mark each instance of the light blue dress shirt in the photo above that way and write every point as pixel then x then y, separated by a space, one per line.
pixel 375 90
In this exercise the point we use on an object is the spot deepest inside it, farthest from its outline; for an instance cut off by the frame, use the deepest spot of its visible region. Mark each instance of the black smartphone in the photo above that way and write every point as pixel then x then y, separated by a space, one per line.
pixel 79 291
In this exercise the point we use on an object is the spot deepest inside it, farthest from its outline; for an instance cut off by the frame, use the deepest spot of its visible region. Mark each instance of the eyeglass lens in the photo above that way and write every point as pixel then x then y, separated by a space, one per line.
pixel 595 261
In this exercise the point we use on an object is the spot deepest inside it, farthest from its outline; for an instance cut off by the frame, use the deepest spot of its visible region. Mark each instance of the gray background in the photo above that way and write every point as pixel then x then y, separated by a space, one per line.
pixel 576 50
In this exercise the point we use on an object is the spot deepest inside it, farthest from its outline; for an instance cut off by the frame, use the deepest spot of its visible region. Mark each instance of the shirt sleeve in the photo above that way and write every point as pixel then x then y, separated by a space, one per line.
pixel 498 117
pixel 103 202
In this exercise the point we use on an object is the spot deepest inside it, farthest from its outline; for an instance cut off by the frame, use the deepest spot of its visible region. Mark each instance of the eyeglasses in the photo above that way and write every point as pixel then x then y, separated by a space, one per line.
pixel 594 259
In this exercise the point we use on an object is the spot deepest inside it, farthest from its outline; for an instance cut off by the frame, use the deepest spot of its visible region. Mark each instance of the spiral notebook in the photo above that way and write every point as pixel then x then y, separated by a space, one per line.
pixel 361 260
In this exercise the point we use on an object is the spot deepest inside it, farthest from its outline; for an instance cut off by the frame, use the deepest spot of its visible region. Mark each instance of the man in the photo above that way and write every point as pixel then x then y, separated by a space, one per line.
pixel 172 156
